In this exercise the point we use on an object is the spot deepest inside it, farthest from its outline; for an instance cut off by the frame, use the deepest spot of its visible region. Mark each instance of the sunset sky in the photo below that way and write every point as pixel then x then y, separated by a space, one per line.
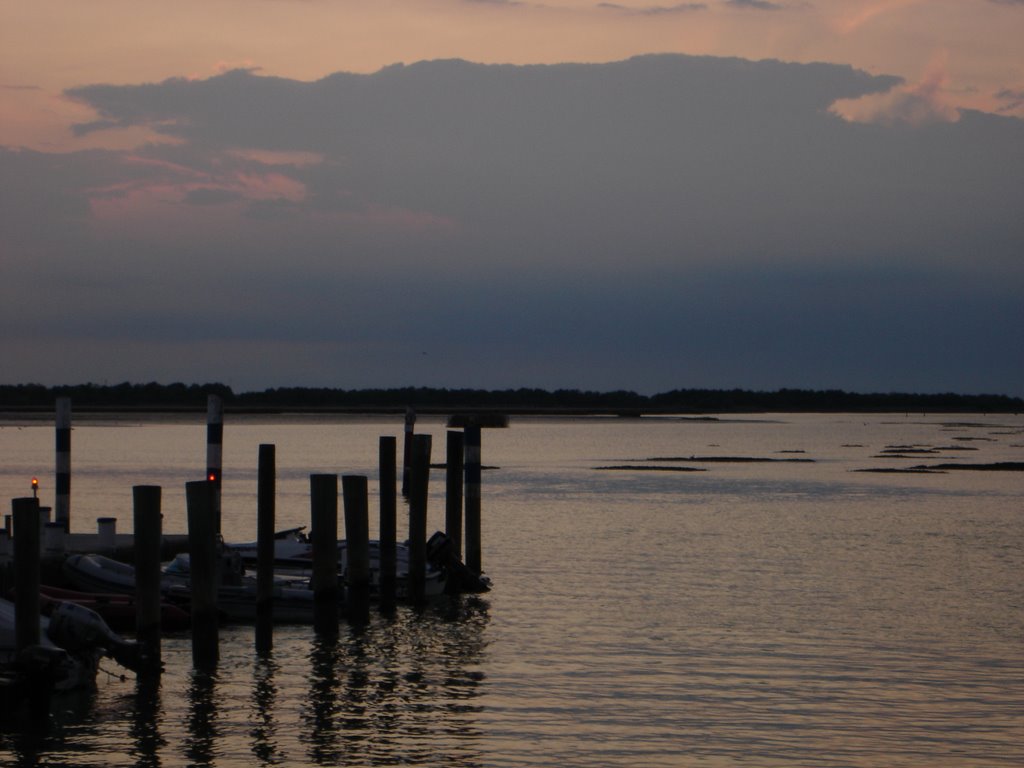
pixel 793 193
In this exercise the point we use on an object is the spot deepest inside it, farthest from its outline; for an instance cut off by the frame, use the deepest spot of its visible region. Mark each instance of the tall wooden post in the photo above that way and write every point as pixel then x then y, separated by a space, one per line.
pixel 357 544
pixel 202 546
pixel 215 450
pixel 453 491
pixel 410 425
pixel 62 493
pixel 148 531
pixel 324 518
pixel 473 555
pixel 26 572
pixel 265 514
pixel 419 483
pixel 388 524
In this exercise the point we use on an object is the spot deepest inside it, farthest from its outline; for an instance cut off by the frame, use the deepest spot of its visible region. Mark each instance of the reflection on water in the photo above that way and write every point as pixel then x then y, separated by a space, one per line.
pixel 385 692
pixel 203 715
pixel 145 726
pixel 756 614
pixel 264 701
pixel 397 690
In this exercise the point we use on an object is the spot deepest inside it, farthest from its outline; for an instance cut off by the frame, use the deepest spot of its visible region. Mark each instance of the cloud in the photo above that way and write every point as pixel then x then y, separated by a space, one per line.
pixel 655 10
pixel 760 5
pixel 912 104
pixel 857 15
pixel 1012 100
pixel 652 223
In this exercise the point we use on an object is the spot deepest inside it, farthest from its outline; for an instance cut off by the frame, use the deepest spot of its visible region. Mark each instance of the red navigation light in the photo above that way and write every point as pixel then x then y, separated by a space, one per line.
pixel 212 477
pixel 35 486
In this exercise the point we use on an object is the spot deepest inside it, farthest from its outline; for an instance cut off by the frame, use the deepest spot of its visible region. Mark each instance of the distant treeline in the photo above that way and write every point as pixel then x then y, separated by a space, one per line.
pixel 166 397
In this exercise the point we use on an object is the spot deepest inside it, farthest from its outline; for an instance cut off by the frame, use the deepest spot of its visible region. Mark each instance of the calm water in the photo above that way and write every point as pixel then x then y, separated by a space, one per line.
pixel 760 614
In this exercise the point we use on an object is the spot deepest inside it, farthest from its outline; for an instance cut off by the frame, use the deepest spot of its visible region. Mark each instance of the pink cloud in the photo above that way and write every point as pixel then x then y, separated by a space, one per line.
pixel 857 15
pixel 911 104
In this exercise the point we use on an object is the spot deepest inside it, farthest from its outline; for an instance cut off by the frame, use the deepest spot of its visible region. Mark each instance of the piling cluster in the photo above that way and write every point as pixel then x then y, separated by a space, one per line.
pixel 36 540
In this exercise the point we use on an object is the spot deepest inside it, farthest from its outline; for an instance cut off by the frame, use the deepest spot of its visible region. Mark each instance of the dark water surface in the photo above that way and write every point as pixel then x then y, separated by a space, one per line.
pixel 754 613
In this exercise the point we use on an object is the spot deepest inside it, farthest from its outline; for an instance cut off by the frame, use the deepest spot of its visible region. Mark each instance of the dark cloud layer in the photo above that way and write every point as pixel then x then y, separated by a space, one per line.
pixel 662 222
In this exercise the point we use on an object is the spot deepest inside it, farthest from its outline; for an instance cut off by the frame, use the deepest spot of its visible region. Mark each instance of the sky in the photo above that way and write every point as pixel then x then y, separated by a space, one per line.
pixel 494 194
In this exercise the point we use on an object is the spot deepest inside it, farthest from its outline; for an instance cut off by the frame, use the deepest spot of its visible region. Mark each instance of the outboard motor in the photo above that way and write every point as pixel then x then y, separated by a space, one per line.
pixel 441 555
pixel 77 628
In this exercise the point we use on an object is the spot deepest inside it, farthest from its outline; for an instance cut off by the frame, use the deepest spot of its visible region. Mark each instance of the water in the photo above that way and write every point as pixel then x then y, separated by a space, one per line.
pixel 760 614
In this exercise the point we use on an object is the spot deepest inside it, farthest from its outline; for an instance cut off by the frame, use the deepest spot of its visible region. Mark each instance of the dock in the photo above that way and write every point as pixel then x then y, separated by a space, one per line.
pixel 34 547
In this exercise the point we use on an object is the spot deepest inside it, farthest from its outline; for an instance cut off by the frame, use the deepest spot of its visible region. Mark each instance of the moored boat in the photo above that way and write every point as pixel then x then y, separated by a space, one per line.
pixel 236 599
pixel 293 556
pixel 117 609
pixel 72 640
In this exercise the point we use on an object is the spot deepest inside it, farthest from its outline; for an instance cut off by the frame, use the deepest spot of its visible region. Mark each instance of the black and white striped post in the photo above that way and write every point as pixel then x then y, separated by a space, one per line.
pixel 472 448
pixel 215 450
pixel 410 426
pixel 62 496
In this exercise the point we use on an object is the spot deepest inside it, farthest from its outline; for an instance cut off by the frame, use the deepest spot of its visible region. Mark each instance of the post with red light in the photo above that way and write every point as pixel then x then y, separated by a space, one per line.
pixel 215 450
pixel 62 491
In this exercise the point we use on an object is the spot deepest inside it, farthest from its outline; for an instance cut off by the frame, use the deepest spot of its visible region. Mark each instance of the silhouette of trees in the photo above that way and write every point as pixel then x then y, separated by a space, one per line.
pixel 178 396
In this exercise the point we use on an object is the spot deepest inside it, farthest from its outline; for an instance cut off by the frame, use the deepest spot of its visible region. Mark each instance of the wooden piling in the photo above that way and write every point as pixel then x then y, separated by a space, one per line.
pixel 472 447
pixel 419 482
pixel 324 519
pixel 202 544
pixel 62 492
pixel 215 450
pixel 388 526
pixel 26 569
pixel 453 491
pixel 357 543
pixel 106 535
pixel 410 425
pixel 6 562
pixel 148 532
pixel 265 514
pixel 54 541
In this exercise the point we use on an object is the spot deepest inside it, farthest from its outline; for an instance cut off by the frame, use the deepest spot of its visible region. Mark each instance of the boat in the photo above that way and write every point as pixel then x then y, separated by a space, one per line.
pixel 99 574
pixel 78 629
pixel 118 609
pixel 290 544
pixel 236 597
pixel 293 555
pixel 72 641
